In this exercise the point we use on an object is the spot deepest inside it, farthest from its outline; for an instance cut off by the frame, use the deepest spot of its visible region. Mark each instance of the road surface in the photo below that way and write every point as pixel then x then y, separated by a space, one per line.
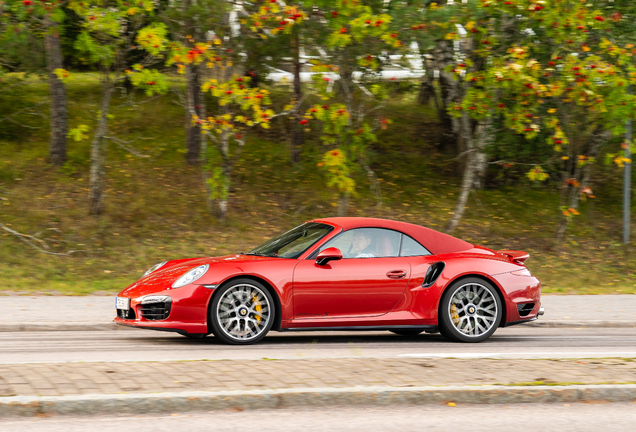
pixel 148 345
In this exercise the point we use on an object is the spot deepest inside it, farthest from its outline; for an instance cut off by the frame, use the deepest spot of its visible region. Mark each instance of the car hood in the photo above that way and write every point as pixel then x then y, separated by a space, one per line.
pixel 163 278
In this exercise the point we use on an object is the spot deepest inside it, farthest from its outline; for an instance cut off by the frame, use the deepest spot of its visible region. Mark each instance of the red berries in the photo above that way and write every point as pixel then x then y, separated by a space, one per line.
pixel 27 2
pixel 325 107
pixel 599 18
pixel 343 30
pixel 303 122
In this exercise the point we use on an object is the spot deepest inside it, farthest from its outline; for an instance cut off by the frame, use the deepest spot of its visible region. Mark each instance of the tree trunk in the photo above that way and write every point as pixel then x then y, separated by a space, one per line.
pixel 442 58
pixel 57 91
pixel 475 160
pixel 193 105
pixel 297 136
pixel 343 204
pixel 427 89
pixel 571 194
pixel 98 150
pixel 222 202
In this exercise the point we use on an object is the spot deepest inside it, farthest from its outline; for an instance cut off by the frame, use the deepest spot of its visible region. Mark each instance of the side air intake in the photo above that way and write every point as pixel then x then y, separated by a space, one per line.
pixel 525 308
pixel 433 272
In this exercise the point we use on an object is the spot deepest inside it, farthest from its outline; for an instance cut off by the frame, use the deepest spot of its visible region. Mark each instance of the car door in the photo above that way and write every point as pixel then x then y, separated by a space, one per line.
pixel 365 282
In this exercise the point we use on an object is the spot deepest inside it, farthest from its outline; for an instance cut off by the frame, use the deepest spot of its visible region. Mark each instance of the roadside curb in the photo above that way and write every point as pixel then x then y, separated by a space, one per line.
pixel 56 326
pixel 586 323
pixel 29 406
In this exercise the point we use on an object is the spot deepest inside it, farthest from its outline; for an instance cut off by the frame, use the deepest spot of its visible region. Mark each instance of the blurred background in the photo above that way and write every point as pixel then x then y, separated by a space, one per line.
pixel 136 132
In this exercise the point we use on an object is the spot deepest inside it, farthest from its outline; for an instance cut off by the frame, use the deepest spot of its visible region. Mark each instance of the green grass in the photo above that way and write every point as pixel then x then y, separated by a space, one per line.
pixel 156 207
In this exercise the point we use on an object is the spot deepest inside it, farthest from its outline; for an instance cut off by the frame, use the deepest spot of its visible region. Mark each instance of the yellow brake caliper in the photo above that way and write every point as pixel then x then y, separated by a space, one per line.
pixel 257 308
pixel 454 314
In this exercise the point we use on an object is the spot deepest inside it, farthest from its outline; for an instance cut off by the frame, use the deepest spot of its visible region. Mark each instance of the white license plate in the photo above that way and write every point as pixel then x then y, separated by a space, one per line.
pixel 122 303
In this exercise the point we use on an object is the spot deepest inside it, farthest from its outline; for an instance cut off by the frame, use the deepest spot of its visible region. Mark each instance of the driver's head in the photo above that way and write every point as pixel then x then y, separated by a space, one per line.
pixel 360 241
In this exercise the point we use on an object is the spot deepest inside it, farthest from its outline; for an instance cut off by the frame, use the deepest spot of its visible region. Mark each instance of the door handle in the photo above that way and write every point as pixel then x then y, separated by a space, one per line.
pixel 396 274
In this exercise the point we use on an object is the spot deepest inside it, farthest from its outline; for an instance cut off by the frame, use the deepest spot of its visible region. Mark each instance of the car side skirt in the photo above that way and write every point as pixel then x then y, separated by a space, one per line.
pixel 364 328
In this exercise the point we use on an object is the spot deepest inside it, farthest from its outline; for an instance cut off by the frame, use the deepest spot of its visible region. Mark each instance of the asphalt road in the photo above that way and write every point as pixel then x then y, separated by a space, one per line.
pixel 488 418
pixel 147 345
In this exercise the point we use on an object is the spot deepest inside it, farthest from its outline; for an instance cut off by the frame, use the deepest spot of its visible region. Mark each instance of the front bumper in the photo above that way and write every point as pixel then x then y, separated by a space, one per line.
pixel 185 313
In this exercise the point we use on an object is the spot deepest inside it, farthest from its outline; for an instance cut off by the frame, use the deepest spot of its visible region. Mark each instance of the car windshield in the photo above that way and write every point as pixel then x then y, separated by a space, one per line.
pixel 294 242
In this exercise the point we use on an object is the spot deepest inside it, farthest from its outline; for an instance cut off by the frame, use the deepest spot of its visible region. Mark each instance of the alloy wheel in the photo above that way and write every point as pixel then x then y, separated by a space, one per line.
pixel 473 310
pixel 243 312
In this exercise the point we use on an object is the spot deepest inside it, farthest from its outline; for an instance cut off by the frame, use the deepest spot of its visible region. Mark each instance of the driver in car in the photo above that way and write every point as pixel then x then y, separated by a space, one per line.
pixel 361 244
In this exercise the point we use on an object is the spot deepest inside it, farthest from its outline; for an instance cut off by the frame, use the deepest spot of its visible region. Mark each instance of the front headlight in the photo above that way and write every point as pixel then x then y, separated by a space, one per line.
pixel 155 267
pixel 191 276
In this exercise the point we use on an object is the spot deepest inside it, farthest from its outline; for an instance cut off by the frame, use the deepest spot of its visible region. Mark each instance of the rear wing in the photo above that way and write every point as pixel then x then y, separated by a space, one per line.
pixel 518 257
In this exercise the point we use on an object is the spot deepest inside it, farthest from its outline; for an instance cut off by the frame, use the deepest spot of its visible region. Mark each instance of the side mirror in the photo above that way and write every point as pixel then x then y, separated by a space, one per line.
pixel 329 254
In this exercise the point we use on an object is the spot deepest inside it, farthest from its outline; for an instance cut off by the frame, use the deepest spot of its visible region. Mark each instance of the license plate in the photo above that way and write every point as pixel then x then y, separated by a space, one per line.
pixel 122 303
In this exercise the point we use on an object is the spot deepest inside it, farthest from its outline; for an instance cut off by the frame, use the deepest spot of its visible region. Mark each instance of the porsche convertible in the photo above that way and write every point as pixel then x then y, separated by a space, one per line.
pixel 339 274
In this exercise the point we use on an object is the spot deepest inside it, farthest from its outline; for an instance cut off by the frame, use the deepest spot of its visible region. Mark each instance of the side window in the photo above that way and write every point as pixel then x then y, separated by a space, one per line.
pixel 412 248
pixel 367 243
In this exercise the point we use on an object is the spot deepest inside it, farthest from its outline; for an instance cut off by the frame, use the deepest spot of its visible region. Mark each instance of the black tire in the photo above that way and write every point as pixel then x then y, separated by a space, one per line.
pixel 407 332
pixel 235 298
pixel 458 328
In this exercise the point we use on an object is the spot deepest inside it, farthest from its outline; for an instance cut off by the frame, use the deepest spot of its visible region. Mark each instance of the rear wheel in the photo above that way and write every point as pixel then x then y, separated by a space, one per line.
pixel 407 332
pixel 470 311
pixel 242 312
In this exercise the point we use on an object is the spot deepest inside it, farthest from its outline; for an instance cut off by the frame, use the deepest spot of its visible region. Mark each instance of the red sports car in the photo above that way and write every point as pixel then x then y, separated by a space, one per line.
pixel 339 274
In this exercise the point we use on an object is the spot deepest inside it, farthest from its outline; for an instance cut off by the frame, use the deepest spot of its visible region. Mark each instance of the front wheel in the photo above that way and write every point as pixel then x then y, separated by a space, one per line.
pixel 470 311
pixel 241 312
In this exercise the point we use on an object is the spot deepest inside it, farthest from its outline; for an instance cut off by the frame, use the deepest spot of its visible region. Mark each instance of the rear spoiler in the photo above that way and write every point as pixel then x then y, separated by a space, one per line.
pixel 518 257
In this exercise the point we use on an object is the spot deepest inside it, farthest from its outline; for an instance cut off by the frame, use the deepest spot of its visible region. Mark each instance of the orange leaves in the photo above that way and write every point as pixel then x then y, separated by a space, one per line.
pixel 568 212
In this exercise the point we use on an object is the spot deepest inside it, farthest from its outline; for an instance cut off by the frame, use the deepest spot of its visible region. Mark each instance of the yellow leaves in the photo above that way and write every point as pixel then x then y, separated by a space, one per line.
pixel 217 41
pixel 131 11
pixel 450 36
pixel 338 171
pixel 620 161
pixel 62 74
pixel 537 174
pixel 565 158
pixel 181 68
pixel 551 110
